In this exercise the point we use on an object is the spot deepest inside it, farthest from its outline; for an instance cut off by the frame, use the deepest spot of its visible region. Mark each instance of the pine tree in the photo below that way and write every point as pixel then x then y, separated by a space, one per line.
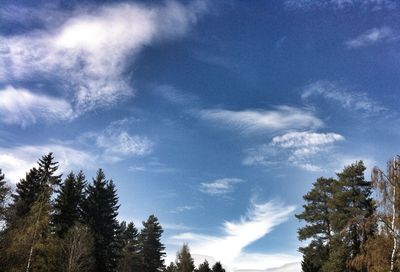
pixel 184 260
pixel 317 213
pixel 151 248
pixel 352 220
pixel 100 213
pixel 130 258
pixel 217 267
pixel 68 204
pixel 26 193
pixel 204 267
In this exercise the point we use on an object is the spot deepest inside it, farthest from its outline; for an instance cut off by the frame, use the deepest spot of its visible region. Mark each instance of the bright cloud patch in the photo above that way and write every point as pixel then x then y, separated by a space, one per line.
pixel 87 53
pixel 371 37
pixel 343 96
pixel 16 161
pixel 117 143
pixel 260 220
pixel 282 118
pixel 301 149
pixel 219 186
pixel 23 107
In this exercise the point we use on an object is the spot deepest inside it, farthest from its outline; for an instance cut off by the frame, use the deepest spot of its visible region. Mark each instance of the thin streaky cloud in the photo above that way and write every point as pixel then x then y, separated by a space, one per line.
pixel 365 5
pixel 250 121
pixel 219 186
pixel 23 107
pixel 343 96
pixel 371 37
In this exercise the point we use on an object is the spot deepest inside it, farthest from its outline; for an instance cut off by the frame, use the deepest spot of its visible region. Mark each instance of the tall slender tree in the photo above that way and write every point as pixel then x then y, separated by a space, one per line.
pixel 68 204
pixel 100 213
pixel 184 260
pixel 317 213
pixel 130 257
pixel 151 248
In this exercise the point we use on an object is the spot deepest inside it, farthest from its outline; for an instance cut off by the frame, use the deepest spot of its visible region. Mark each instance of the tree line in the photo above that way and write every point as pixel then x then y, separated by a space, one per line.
pixel 51 224
pixel 352 224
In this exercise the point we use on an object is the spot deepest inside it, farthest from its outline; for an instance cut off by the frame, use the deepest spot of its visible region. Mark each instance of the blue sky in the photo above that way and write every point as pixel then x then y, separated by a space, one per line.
pixel 216 117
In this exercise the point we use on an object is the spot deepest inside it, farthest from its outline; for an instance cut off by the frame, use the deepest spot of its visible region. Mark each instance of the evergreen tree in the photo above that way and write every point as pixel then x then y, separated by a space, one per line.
pixel 151 248
pixel 68 204
pixel 204 267
pixel 317 213
pixel 184 260
pixel 171 267
pixel 100 213
pixel 26 193
pixel 352 219
pixel 217 267
pixel 130 258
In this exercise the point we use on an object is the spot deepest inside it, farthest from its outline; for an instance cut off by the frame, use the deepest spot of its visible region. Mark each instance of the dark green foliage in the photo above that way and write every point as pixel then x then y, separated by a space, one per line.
pixel 317 213
pixel 204 267
pixel 151 248
pixel 100 213
pixel 130 258
pixel 184 260
pixel 68 204
pixel 339 216
pixel 171 267
pixel 217 267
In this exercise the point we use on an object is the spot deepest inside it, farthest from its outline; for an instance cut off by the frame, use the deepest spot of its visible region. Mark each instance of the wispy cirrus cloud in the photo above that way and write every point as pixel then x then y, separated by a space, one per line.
pixel 300 149
pixel 117 143
pixel 88 52
pixel 260 220
pixel 343 96
pixel 219 186
pixel 16 161
pixel 23 107
pixel 372 36
pixel 373 5
pixel 250 121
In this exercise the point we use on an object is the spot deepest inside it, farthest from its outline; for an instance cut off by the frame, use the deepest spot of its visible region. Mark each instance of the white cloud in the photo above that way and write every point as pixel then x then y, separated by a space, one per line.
pixel 23 107
pixel 219 186
pixel 88 53
pixel 372 5
pixel 16 161
pixel 228 248
pixel 282 118
pixel 301 149
pixel 346 98
pixel 371 37
pixel 117 143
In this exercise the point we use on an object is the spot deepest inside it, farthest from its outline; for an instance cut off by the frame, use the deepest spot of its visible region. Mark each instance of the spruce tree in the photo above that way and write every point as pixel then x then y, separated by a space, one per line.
pixel 217 267
pixel 100 213
pixel 130 258
pixel 151 248
pixel 184 260
pixel 26 193
pixel 68 204
pixel 204 267
pixel 171 267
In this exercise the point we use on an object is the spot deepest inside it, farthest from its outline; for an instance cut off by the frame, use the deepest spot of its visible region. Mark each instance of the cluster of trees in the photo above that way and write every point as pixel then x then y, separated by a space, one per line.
pixel 184 263
pixel 50 224
pixel 353 224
